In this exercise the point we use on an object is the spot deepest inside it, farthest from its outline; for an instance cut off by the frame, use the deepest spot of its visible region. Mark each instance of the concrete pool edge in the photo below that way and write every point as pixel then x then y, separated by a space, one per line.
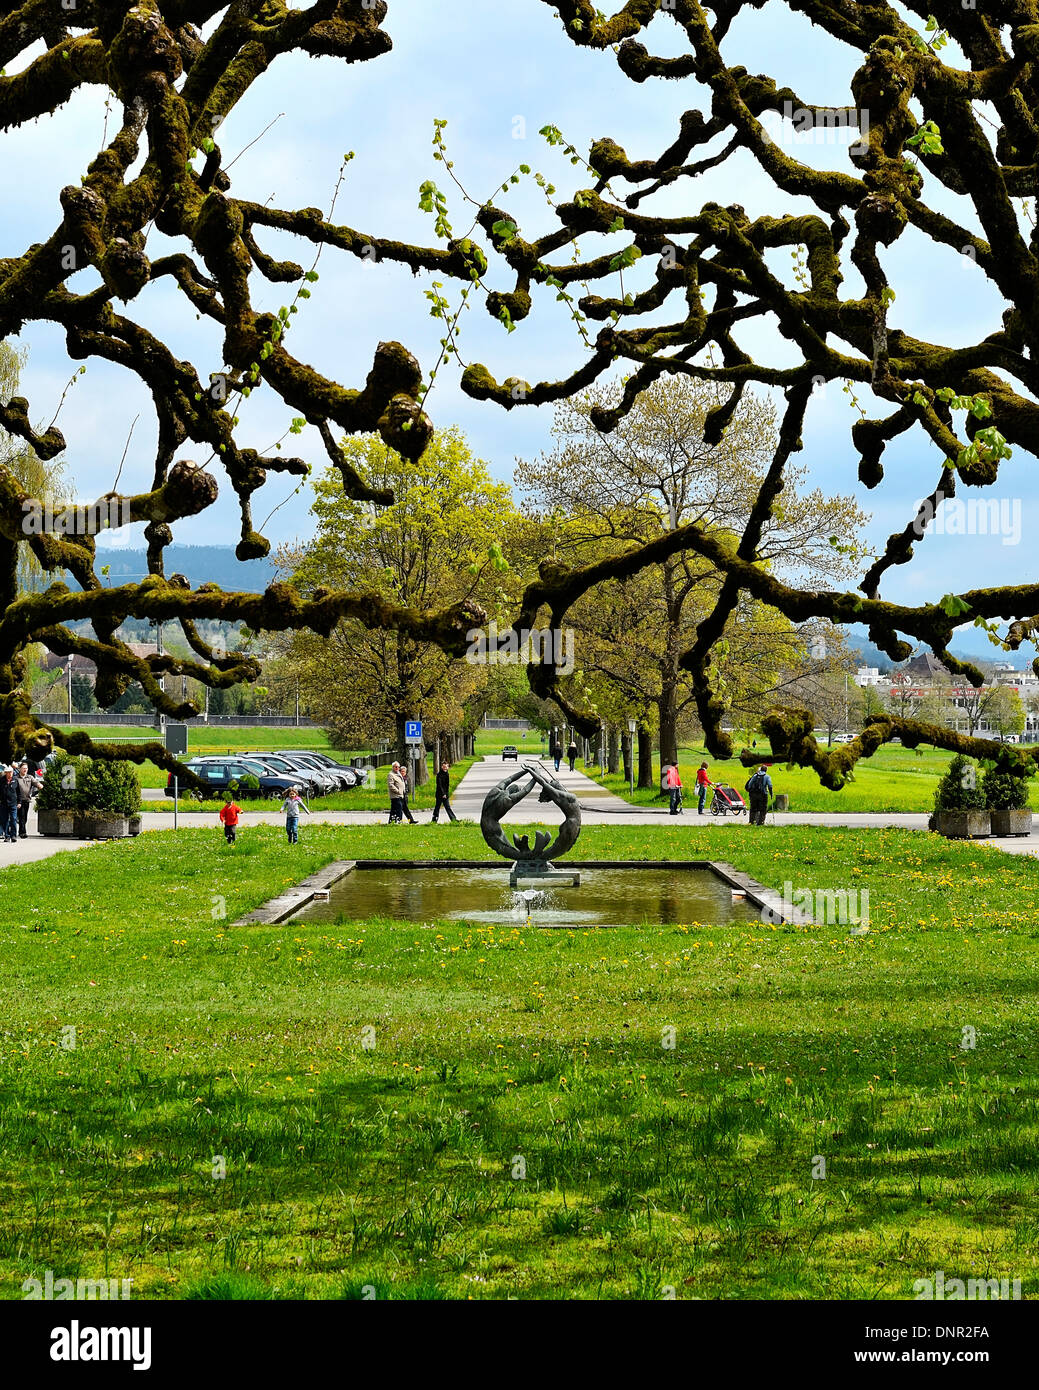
pixel 279 909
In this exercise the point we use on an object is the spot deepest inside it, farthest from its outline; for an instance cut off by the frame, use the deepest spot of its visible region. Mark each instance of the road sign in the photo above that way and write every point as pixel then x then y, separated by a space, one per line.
pixel 176 738
pixel 412 731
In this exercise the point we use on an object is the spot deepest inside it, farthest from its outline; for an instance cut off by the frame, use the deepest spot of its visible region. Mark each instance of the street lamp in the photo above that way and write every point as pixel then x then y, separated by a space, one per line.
pixel 632 726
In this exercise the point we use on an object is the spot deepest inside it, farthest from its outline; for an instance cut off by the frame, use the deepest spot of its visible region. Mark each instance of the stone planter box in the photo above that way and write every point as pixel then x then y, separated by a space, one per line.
pixel 963 825
pixel 1011 822
pixel 102 826
pixel 134 824
pixel 55 822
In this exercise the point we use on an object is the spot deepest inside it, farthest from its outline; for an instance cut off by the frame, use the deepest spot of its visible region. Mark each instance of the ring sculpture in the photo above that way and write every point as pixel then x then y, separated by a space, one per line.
pixel 501 799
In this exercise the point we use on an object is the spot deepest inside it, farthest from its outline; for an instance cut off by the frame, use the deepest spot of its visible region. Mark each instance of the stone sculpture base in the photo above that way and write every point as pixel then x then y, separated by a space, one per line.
pixel 541 876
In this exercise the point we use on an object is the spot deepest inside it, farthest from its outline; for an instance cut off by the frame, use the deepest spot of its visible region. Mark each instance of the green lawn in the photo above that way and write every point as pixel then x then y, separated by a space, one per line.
pixel 520 1126
pixel 894 779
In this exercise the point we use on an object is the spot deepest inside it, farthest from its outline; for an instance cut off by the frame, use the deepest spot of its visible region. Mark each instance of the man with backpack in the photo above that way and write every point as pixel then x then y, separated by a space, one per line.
pixel 759 789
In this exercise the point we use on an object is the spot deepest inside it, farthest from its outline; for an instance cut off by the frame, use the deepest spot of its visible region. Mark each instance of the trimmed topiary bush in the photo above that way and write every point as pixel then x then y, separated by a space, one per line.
pixel 960 789
pixel 1003 791
pixel 62 781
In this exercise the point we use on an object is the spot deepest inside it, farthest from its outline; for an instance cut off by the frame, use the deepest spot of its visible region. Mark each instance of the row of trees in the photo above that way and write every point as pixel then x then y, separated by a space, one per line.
pixel 947 93
pixel 454 535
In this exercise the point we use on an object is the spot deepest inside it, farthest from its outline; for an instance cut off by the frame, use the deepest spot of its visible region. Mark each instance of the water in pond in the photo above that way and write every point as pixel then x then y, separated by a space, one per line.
pixel 606 898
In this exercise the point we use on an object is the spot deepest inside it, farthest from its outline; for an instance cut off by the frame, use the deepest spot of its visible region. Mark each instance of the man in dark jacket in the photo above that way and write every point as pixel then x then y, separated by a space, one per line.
pixel 9 807
pixel 759 789
pixel 27 787
pixel 443 793
pixel 571 754
pixel 557 753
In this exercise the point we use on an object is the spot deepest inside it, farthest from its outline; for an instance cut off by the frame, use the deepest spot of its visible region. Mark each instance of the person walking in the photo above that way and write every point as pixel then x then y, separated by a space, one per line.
pixel 395 785
pixel 673 782
pixel 759 788
pixel 571 754
pixel 291 807
pixel 443 793
pixel 27 789
pixel 703 782
pixel 404 796
pixel 557 753
pixel 229 816
pixel 9 807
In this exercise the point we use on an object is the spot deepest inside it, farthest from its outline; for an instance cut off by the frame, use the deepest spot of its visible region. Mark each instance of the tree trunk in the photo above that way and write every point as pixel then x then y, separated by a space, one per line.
pixel 421 764
pixel 626 756
pixel 646 778
pixel 612 750
pixel 666 704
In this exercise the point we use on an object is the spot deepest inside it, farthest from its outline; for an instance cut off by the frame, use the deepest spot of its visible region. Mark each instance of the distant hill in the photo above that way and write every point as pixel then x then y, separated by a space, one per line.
pixel 970 644
pixel 200 564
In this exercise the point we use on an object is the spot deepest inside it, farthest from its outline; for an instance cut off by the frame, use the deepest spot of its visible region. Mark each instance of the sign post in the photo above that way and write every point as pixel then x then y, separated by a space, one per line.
pixel 413 736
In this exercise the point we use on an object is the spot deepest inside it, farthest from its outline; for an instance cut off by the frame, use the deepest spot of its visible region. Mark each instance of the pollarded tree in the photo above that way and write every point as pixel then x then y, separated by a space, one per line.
pixel 946 156
pixel 947 110
pixel 174 71
pixel 655 474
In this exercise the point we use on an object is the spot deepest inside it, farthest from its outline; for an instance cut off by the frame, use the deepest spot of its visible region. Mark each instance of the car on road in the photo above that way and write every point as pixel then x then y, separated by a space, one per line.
pixel 220 775
pixel 510 751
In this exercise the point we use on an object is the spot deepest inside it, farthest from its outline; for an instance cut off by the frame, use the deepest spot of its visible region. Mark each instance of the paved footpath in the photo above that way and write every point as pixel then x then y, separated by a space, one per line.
pixel 598 807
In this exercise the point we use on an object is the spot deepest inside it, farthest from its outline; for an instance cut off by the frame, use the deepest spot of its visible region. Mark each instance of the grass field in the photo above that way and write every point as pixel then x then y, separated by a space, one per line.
pixel 894 779
pixel 515 1121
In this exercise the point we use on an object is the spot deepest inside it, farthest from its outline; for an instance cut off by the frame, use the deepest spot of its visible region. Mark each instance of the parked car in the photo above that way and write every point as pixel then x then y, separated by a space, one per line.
pixel 307 780
pixel 317 783
pixel 219 775
pixel 342 777
pixel 510 751
pixel 356 776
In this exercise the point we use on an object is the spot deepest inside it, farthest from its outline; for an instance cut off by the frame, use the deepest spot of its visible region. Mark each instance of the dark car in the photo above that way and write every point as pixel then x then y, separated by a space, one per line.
pixel 220 775
pixel 510 751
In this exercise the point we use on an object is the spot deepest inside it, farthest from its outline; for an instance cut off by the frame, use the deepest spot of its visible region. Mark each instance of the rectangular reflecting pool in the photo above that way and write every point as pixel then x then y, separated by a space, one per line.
pixel 605 898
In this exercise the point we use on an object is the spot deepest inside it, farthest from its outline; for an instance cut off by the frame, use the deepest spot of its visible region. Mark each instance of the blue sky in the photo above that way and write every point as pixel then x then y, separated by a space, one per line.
pixel 492 73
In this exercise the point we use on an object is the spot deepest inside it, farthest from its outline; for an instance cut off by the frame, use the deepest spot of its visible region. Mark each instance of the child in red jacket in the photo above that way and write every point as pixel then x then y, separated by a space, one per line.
pixel 229 816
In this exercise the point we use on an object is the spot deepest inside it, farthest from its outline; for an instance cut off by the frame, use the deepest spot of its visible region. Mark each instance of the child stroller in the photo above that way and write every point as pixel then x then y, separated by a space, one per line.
pixel 727 801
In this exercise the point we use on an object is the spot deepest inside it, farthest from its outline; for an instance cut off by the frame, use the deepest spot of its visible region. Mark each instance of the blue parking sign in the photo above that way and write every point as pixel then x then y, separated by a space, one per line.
pixel 412 731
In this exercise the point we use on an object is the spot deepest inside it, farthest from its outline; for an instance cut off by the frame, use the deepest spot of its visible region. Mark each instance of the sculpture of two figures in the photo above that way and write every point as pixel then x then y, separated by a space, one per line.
pixel 530 859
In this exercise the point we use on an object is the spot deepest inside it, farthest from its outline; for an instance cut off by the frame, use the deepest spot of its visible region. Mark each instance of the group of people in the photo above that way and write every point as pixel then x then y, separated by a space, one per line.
pixel 397 786
pixel 571 754
pixel 17 790
pixel 758 787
